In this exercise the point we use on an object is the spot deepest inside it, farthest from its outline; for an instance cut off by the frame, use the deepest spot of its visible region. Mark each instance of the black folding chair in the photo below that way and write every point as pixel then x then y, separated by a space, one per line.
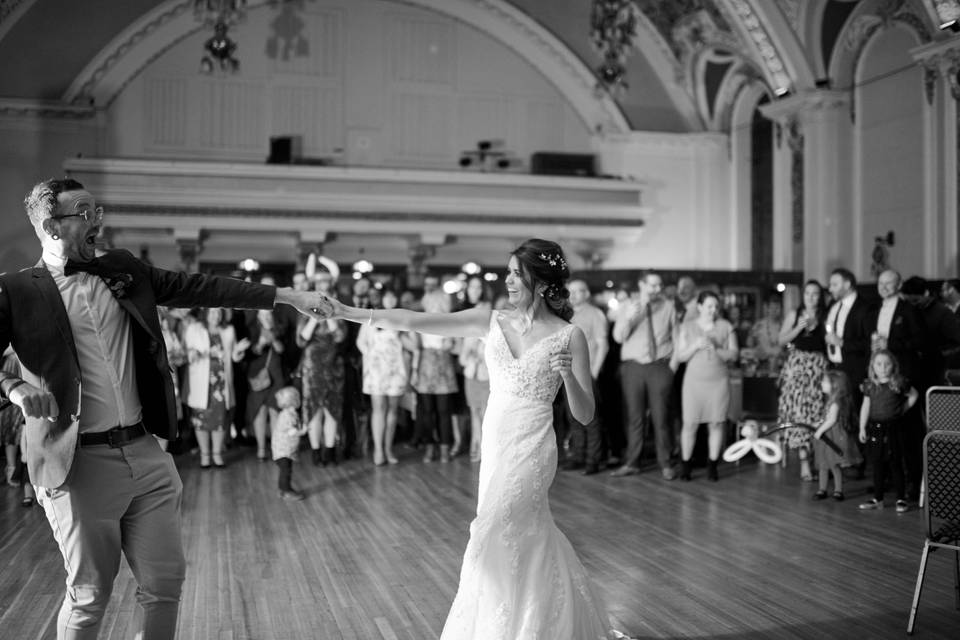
pixel 941 471
pixel 943 409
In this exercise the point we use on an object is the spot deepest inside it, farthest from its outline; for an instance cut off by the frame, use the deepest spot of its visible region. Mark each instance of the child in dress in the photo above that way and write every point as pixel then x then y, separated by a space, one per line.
pixel 286 439
pixel 887 396
pixel 836 389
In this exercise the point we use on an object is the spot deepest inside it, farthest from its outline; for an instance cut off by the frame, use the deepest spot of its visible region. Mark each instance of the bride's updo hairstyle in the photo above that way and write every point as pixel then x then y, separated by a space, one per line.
pixel 542 263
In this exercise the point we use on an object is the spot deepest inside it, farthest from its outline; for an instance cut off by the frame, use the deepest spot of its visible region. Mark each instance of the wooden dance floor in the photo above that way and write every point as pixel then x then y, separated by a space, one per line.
pixel 374 553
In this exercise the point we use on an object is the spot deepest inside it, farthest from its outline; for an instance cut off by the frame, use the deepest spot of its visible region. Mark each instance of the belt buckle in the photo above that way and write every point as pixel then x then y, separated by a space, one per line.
pixel 110 441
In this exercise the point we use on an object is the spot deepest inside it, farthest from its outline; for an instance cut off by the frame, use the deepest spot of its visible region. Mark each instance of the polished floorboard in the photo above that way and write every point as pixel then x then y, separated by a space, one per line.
pixel 374 553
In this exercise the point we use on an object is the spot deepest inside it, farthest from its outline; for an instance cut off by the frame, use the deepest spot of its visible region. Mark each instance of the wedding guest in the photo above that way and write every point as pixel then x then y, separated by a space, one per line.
pixel 264 376
pixel 94 382
pixel 286 440
pixel 211 348
pixel 322 372
pixel 353 421
pixel 645 327
pixel 941 335
pixel 586 447
pixel 707 344
pixel 435 381
pixel 472 359
pixel 176 357
pixel 950 293
pixel 386 377
pixel 848 331
pixel 896 325
pixel 764 337
pixel 801 399
pixel 11 421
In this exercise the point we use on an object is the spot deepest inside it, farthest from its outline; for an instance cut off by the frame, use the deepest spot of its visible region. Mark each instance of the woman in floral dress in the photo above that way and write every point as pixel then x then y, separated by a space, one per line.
pixel 322 374
pixel 386 377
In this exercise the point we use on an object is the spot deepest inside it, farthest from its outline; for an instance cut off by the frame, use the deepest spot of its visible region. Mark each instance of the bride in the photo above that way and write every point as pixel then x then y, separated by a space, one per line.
pixel 520 575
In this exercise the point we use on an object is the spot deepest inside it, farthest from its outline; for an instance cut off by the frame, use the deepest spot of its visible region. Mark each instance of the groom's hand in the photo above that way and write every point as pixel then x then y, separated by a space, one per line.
pixel 309 303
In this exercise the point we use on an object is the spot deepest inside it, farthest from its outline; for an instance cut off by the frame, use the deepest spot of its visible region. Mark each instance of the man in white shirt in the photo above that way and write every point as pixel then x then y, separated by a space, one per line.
pixel 585 444
pixel 94 383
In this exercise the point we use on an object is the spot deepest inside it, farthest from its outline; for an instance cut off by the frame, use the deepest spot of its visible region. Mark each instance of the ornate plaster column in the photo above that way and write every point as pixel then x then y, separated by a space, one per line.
pixel 941 64
pixel 815 131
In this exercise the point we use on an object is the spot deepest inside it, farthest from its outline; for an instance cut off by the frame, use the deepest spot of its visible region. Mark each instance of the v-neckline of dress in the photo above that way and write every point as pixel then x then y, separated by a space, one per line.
pixel 528 349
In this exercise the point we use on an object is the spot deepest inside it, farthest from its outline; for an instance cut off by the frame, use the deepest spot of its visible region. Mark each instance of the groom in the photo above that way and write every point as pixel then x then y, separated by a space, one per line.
pixel 95 389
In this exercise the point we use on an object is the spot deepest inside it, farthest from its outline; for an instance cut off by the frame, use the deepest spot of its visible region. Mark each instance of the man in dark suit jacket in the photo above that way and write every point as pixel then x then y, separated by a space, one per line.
pixel 95 384
pixel 848 333
pixel 896 325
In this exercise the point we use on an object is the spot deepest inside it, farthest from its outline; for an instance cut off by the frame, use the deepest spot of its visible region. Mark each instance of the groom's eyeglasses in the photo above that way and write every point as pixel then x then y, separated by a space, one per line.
pixel 95 216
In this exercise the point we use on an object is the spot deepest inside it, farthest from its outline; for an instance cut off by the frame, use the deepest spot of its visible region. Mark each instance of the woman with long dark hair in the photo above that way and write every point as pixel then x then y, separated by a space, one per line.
pixel 804 335
pixel 520 575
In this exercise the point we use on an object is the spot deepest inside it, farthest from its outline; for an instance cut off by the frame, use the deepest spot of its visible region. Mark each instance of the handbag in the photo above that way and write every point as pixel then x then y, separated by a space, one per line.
pixel 261 379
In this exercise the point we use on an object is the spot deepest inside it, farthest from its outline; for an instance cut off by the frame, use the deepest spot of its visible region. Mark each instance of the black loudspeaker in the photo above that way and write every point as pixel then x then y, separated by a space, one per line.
pixel 284 150
pixel 563 164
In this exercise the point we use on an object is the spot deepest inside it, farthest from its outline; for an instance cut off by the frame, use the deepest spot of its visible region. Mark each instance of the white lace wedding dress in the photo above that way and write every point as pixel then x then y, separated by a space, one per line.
pixel 521 579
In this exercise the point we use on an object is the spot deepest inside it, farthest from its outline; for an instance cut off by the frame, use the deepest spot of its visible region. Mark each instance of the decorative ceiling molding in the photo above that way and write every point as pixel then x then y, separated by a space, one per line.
pixel 765 48
pixel 791 11
pixel 868 21
pixel 939 60
pixel 138 45
pixel 10 12
pixel 13 107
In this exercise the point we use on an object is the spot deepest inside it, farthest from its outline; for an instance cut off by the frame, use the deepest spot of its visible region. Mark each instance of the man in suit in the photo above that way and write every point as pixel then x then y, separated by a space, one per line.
pixel 896 325
pixel 95 384
pixel 848 330
pixel 848 336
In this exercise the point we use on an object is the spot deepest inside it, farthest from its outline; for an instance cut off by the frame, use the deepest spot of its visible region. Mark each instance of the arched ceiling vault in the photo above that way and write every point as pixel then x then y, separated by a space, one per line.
pixel 90 52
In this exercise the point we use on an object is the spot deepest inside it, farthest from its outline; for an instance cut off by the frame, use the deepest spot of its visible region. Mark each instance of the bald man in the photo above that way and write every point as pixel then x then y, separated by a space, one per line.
pixel 896 325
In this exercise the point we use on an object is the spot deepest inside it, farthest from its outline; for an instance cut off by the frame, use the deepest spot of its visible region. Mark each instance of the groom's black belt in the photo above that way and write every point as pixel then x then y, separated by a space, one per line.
pixel 116 437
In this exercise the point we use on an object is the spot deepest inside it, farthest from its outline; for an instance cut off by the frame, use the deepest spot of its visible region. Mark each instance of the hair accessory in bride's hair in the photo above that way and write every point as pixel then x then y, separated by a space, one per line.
pixel 554 259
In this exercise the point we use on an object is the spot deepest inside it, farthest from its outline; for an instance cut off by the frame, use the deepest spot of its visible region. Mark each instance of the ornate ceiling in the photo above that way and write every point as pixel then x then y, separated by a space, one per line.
pixel 691 55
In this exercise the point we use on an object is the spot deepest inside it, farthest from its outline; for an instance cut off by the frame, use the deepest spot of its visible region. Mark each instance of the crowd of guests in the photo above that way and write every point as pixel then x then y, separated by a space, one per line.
pixel 849 371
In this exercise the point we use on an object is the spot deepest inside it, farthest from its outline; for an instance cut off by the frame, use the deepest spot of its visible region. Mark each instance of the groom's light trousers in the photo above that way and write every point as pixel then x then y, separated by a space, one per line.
pixel 119 500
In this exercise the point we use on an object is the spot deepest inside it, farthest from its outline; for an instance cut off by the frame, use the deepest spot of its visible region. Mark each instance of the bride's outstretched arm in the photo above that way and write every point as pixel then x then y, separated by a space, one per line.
pixel 468 323
pixel 574 367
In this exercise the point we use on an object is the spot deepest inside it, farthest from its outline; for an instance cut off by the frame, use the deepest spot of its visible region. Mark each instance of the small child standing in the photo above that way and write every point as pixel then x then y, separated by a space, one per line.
pixel 887 396
pixel 836 389
pixel 286 439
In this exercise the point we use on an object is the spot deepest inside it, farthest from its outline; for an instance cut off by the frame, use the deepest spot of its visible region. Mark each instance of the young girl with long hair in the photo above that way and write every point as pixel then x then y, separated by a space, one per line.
pixel 837 411
pixel 887 396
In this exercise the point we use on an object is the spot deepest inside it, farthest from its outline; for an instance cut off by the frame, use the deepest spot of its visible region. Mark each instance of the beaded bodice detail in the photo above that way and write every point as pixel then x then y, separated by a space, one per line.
pixel 529 376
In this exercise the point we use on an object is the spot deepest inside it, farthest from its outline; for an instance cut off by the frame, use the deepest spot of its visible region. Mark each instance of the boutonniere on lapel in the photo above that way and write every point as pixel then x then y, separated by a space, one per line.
pixel 117 280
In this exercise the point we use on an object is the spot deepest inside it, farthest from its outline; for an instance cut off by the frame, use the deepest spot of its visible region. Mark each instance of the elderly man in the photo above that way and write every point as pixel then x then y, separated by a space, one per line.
pixel 585 445
pixel 95 382
pixel 896 325
pixel 645 327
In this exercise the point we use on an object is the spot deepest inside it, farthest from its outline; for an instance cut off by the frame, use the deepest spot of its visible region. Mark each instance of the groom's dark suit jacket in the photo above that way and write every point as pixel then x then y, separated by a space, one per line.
pixel 34 320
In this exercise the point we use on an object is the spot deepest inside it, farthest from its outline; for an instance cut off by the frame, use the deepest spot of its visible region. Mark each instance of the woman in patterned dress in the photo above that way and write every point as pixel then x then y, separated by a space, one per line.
pixel 435 381
pixel 211 349
pixel 322 373
pixel 801 400
pixel 386 377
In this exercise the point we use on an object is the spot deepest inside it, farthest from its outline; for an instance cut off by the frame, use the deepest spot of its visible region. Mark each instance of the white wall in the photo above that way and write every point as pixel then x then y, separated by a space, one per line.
pixel 378 84
pixel 687 180
pixel 890 133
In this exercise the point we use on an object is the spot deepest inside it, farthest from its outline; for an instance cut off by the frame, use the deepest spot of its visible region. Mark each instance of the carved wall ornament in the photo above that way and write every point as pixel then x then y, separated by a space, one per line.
pixel 770 59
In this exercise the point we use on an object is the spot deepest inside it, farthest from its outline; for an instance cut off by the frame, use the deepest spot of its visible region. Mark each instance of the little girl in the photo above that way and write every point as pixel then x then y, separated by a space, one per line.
pixel 286 439
pixel 887 396
pixel 836 389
